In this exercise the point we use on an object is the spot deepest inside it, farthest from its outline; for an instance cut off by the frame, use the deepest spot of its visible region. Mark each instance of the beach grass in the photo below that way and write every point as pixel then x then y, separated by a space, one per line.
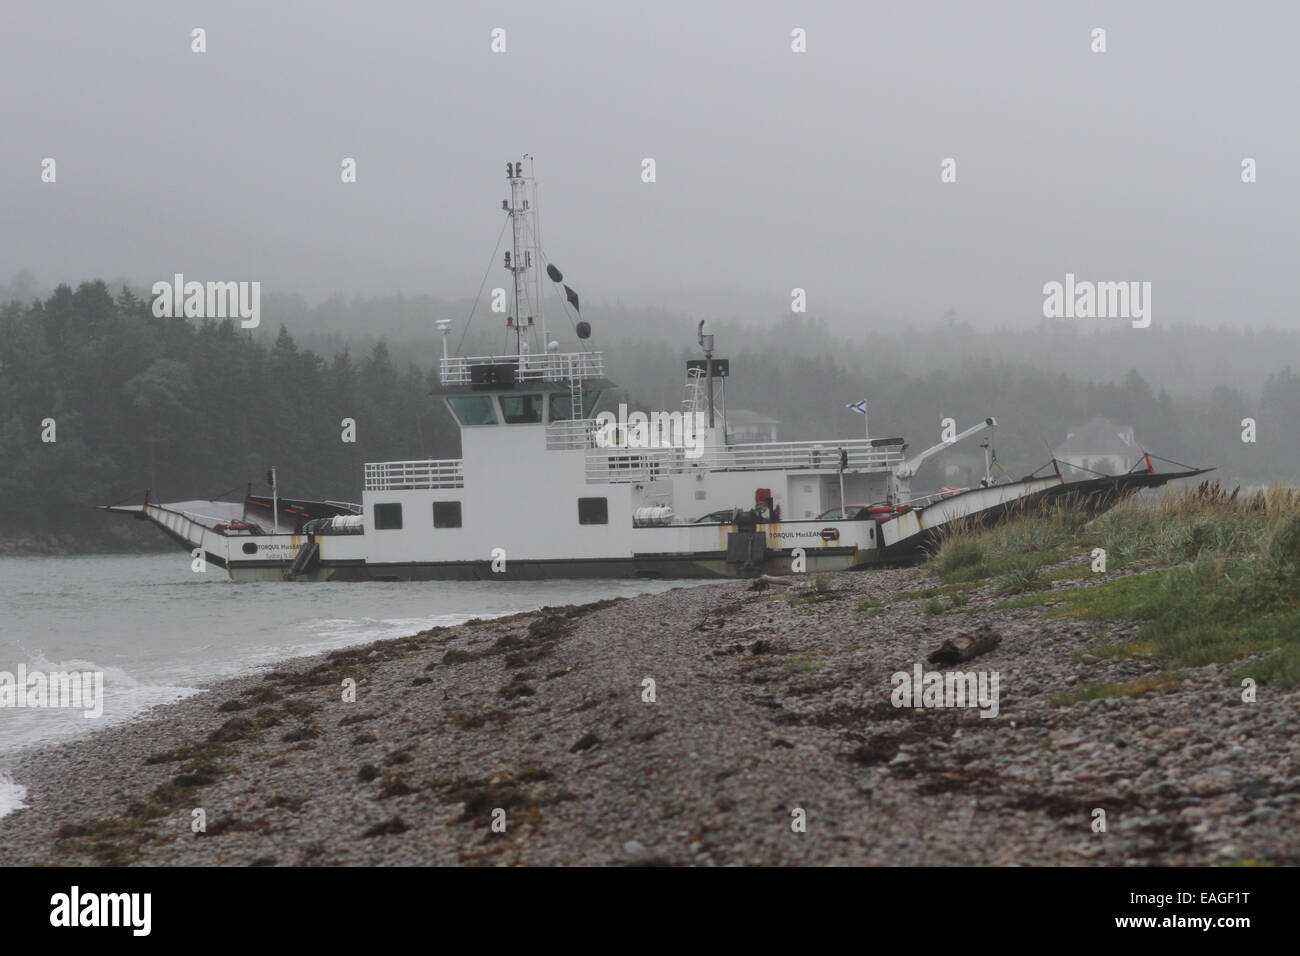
pixel 1212 576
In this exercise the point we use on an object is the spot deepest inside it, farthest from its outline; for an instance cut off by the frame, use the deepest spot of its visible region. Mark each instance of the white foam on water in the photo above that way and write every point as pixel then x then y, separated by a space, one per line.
pixel 124 697
pixel 11 795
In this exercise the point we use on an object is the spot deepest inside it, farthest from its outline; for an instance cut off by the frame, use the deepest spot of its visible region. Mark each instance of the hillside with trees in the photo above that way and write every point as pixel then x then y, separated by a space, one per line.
pixel 197 408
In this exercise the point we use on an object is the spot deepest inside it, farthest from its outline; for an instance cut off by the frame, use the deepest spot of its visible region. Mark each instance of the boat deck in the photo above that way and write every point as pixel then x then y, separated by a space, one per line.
pixel 207 513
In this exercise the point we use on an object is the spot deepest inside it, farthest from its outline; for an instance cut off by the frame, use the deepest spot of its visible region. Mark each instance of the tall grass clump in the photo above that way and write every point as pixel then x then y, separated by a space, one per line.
pixel 1039 535
pixel 1223 583
pixel 1190 522
pixel 1280 550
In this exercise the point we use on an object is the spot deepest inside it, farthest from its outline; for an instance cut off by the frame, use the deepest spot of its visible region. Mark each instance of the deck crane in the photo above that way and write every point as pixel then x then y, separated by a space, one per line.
pixel 908 468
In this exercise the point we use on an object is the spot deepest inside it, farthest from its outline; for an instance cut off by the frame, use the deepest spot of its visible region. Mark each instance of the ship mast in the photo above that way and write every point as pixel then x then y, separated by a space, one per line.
pixel 524 246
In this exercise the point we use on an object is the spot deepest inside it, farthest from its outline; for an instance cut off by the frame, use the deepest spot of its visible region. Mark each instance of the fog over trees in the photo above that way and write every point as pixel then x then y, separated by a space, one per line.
pixel 196 408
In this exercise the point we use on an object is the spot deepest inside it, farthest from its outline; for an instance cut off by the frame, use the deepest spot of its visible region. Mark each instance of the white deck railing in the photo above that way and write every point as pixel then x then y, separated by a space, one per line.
pixel 541 367
pixel 616 464
pixel 404 475
pixel 819 455
pixel 566 436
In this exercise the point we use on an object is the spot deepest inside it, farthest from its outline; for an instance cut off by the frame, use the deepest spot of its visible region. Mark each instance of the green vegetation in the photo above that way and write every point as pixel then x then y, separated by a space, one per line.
pixel 915 595
pixel 1164 680
pixel 803 664
pixel 936 605
pixel 1018 580
pixel 823 589
pixel 870 607
pixel 1013 551
pixel 951 598
pixel 1218 577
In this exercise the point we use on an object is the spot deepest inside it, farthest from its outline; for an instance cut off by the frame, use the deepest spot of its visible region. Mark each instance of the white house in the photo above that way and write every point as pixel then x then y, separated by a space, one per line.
pixel 1099 446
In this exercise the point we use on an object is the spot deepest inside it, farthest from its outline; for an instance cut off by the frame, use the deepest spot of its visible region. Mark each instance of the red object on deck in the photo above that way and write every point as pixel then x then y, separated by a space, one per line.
pixel 884 513
pixel 761 495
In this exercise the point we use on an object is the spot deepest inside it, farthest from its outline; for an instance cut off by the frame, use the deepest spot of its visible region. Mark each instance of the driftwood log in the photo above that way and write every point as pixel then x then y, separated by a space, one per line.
pixel 963 647
pixel 764 581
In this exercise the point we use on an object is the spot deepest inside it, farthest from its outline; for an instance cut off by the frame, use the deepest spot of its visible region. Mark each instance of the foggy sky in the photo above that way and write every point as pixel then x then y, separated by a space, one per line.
pixel 775 169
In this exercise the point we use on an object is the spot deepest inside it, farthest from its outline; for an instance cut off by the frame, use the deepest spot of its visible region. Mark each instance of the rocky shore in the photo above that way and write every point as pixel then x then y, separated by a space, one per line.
pixel 768 709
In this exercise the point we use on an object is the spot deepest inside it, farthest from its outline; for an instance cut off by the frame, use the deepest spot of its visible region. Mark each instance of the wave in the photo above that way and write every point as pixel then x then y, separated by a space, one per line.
pixel 11 795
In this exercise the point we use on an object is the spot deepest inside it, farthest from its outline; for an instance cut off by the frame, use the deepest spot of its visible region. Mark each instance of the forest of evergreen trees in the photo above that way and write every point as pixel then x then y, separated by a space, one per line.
pixel 190 409
pixel 194 409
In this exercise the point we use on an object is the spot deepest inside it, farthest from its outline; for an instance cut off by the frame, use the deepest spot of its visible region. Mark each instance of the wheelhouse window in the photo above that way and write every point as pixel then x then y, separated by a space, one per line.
pixel 473 409
pixel 388 517
pixel 521 409
pixel 446 514
pixel 593 511
pixel 562 406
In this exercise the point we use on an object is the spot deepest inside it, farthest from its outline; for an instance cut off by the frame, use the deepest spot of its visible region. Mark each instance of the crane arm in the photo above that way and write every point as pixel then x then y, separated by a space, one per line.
pixel 908 468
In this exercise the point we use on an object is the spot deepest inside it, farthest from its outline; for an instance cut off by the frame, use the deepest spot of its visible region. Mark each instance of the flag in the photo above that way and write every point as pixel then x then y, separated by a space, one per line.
pixel 859 407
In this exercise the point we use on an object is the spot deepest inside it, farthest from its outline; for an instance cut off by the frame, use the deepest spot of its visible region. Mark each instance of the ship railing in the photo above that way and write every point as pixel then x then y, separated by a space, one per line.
pixel 817 455
pixel 569 435
pixel 619 463
pixel 531 367
pixel 415 475
pixel 924 501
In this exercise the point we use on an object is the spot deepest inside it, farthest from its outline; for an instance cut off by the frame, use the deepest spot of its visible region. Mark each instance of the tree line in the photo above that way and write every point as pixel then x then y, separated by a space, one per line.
pixel 196 408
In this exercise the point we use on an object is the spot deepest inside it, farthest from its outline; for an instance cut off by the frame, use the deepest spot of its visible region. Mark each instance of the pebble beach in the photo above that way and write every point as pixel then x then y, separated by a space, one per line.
pixel 715 725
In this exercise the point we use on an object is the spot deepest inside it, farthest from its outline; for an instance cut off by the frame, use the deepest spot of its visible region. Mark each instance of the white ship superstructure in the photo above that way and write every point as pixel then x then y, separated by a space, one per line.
pixel 664 495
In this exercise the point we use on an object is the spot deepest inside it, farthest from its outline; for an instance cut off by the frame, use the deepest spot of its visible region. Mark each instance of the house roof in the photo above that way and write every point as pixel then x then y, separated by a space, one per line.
pixel 1100 436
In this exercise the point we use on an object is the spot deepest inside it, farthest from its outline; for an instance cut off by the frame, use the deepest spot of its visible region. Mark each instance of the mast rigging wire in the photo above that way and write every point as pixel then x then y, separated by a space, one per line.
pixel 486 272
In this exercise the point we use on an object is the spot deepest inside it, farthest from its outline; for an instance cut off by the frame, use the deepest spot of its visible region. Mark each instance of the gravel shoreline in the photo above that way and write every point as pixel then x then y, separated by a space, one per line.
pixel 762 706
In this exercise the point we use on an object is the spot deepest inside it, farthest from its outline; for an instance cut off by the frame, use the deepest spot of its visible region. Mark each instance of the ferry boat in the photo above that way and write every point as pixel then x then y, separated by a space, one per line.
pixel 611 495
